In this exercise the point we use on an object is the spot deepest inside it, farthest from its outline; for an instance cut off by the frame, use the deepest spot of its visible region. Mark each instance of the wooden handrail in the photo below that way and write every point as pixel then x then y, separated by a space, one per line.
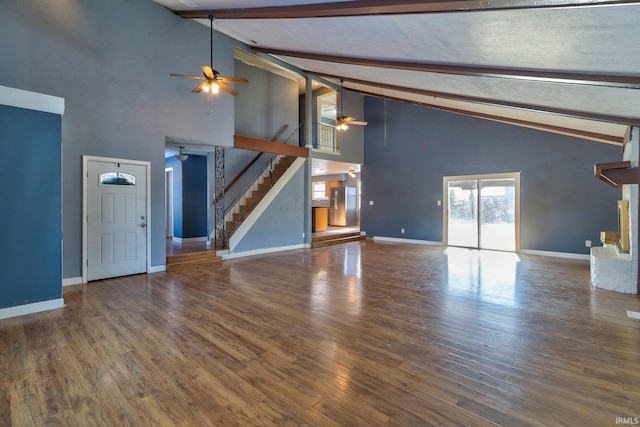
pixel 252 162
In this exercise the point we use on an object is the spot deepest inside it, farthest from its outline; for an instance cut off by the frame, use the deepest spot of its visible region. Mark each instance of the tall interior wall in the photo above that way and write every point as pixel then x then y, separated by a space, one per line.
pixel 110 61
pixel 409 149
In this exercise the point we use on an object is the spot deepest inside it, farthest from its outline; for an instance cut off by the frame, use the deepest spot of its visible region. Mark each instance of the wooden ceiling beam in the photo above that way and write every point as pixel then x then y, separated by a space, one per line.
pixel 629 121
pixel 583 79
pixel 386 7
pixel 576 133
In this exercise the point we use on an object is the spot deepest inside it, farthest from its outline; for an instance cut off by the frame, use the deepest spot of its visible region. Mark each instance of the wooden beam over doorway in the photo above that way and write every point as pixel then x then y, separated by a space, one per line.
pixel 265 146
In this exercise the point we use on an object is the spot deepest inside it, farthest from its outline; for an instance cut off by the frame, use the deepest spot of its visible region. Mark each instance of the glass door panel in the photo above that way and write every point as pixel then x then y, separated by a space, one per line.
pixel 498 214
pixel 463 213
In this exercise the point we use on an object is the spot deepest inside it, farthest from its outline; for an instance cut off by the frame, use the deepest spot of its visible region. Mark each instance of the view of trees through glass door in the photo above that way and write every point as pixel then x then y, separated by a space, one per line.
pixel 482 211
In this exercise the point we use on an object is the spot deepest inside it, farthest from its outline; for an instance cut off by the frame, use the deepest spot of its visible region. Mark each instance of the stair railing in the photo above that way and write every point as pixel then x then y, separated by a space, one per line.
pixel 259 177
pixel 263 174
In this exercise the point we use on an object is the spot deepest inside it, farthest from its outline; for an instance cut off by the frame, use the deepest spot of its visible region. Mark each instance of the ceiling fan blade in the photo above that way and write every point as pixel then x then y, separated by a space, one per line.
pixel 208 71
pixel 200 87
pixel 186 76
pixel 232 79
pixel 227 89
pixel 358 123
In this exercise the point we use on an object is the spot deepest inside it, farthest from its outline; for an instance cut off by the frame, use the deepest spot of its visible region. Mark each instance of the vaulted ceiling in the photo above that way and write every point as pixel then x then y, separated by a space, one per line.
pixel 566 66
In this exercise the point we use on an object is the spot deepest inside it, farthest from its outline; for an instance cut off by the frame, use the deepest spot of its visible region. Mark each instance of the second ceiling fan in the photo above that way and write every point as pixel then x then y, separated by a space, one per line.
pixel 212 81
pixel 343 122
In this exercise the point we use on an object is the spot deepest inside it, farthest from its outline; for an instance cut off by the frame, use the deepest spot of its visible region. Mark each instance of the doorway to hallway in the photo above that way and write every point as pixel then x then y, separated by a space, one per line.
pixel 482 211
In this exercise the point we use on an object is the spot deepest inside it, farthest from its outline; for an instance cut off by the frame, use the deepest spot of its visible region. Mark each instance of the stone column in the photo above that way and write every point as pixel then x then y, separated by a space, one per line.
pixel 611 269
pixel 630 193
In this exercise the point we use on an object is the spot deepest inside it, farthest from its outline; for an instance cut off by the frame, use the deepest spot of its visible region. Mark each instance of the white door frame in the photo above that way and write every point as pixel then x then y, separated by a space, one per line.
pixel 85 206
pixel 445 200
pixel 168 200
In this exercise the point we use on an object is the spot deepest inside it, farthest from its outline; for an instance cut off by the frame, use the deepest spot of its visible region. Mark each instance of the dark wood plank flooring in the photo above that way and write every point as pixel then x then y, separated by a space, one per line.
pixel 360 334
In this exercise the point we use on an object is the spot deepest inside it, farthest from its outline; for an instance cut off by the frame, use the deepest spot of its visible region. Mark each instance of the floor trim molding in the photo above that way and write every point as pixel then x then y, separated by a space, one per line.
pixel 36 307
pixel 70 281
pixel 157 268
pixel 566 255
pixel 409 241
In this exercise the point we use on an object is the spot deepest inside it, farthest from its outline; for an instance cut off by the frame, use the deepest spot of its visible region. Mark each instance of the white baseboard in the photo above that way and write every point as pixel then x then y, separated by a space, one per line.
pixel 410 241
pixel 225 255
pixel 69 281
pixel 567 255
pixel 36 307
pixel 157 268
pixel 190 239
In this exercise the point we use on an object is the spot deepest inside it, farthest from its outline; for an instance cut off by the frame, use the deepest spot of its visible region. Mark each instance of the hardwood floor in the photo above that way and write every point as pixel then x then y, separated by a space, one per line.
pixel 363 334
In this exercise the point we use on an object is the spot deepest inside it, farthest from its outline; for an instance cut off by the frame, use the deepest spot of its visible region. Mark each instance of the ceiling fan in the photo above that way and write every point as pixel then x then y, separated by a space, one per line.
pixel 212 81
pixel 343 121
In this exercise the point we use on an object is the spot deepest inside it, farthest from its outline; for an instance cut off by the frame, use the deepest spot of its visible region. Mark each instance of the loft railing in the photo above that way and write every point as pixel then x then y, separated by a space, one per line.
pixel 327 138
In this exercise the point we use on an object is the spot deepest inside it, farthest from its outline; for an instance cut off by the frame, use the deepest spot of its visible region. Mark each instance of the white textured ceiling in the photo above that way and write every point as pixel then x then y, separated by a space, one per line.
pixel 600 39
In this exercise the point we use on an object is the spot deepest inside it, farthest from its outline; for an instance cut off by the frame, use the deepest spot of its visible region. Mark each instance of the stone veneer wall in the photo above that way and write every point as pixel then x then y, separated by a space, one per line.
pixel 610 269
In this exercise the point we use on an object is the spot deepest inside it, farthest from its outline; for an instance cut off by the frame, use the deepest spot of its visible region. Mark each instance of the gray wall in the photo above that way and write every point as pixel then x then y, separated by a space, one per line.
pixel 271 101
pixel 562 204
pixel 111 61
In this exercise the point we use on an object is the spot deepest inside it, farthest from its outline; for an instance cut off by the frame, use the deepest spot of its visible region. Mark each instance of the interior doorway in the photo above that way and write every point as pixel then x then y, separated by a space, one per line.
pixel 482 211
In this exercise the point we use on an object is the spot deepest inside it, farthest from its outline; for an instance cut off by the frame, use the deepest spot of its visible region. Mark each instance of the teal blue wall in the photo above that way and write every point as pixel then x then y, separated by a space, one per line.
pixel 562 204
pixel 189 196
pixel 30 207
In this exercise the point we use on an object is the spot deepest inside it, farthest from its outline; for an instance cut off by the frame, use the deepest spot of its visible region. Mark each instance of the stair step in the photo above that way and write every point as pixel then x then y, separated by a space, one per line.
pixel 192 256
pixel 182 266
pixel 192 259
pixel 339 239
pixel 330 236
pixel 257 195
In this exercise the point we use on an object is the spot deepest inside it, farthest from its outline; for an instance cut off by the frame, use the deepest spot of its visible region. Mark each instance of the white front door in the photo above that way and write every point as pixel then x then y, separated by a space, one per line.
pixel 116 219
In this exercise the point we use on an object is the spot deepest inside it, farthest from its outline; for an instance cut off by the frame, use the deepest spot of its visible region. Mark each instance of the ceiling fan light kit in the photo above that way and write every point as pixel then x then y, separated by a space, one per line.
pixel 182 155
pixel 212 81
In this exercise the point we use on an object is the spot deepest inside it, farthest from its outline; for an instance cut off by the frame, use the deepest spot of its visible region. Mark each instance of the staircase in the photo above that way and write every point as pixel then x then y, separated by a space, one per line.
pixel 336 239
pixel 187 261
pixel 238 213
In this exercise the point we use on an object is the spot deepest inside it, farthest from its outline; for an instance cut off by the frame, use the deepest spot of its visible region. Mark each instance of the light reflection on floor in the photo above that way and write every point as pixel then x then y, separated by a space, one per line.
pixel 489 276
pixel 325 294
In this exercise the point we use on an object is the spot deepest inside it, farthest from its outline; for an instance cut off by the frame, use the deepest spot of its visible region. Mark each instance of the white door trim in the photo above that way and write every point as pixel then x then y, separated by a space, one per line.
pixel 85 207
pixel 445 200
pixel 168 200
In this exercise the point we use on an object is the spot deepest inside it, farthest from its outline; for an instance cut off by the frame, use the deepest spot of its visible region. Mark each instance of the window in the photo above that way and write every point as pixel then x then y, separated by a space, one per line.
pixel 117 178
pixel 319 190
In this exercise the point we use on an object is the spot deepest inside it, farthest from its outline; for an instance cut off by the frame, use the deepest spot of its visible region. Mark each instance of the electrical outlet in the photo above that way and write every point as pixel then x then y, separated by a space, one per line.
pixel 439 202
pixel 304 235
pixel 370 202
pixel 402 230
pixel 587 243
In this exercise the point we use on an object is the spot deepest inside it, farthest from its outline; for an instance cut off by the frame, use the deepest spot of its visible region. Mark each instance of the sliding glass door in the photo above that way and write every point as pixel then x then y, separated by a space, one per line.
pixel 463 213
pixel 481 211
